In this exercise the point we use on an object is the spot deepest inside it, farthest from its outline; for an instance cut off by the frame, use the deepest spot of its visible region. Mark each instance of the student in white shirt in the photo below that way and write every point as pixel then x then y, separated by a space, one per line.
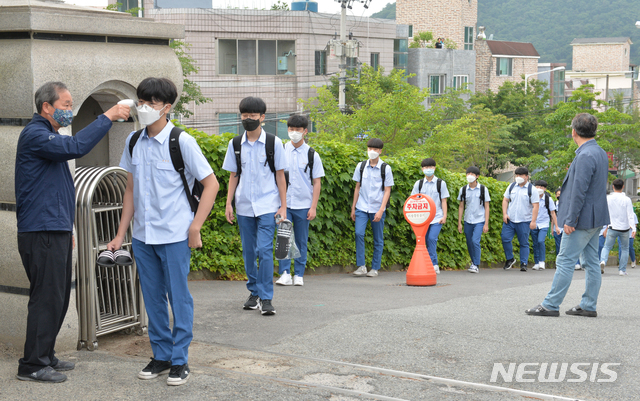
pixel 622 221
pixel 474 203
pixel 539 234
pixel 302 194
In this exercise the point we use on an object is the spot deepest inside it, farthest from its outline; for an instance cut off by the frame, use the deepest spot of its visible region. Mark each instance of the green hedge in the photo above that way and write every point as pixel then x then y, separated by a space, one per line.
pixel 331 237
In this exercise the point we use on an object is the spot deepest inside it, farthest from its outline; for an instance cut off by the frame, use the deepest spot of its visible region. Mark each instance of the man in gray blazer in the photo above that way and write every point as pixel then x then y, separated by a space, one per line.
pixel 582 212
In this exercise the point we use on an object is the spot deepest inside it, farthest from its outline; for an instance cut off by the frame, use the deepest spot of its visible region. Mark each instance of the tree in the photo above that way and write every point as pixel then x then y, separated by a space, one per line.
pixel 422 40
pixel 618 134
pixel 116 7
pixel 387 107
pixel 191 91
pixel 527 110
pixel 280 6
pixel 388 12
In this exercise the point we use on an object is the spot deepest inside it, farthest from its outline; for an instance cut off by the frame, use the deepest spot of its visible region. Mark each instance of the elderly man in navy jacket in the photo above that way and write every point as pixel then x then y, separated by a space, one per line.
pixel 45 208
pixel 583 212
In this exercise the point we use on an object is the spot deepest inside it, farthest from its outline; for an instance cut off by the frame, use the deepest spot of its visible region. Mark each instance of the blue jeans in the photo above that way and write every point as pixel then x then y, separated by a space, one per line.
pixel 600 244
pixel 378 238
pixel 579 242
pixel 473 233
pixel 522 231
pixel 539 250
pixel 163 271
pixel 431 239
pixel 256 234
pixel 301 231
pixel 632 252
pixel 623 245
pixel 558 238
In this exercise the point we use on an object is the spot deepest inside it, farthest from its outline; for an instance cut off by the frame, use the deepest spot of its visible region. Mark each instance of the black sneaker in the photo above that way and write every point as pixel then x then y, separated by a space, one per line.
pixel 523 267
pixel 266 308
pixel 63 366
pixel 541 311
pixel 44 375
pixel 252 302
pixel 509 264
pixel 154 368
pixel 578 311
pixel 179 375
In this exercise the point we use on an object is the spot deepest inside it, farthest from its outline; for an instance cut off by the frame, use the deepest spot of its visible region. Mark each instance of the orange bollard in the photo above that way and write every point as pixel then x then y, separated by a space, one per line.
pixel 419 211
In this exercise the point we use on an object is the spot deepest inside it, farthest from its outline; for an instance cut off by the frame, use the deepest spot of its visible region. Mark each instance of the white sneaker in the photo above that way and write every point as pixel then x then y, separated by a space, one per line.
pixel 536 267
pixel 473 269
pixel 436 268
pixel 297 280
pixel 372 273
pixel 541 265
pixel 285 279
pixel 578 267
pixel 623 273
pixel 633 264
pixel 362 270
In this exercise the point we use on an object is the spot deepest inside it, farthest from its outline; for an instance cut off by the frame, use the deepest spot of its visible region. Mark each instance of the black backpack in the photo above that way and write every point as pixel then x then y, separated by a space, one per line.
pixel 463 196
pixel 310 160
pixel 195 193
pixel 383 174
pixel 513 184
pixel 438 186
pixel 270 144
pixel 546 203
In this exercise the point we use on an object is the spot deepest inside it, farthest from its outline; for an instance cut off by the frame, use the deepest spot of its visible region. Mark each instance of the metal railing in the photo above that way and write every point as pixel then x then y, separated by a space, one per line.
pixel 109 298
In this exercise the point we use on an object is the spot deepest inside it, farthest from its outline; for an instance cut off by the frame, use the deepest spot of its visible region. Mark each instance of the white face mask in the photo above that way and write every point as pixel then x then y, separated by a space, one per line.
pixel 519 180
pixel 148 115
pixel 429 171
pixel 372 154
pixel 471 178
pixel 295 136
pixel 540 191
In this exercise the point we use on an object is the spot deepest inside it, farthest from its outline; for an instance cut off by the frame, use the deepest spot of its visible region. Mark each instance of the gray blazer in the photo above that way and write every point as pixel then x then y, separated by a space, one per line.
pixel 584 189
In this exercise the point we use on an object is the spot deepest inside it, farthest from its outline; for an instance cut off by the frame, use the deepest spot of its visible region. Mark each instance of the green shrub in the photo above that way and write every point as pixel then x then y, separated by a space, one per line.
pixel 331 236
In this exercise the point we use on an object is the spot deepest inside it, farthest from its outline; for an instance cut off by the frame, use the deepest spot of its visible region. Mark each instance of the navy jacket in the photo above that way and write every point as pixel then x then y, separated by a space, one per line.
pixel 45 194
pixel 584 189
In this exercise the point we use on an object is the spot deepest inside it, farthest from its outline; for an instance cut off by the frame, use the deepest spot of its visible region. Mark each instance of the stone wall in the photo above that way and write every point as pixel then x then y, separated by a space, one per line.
pixel 444 18
pixel 483 66
pixel 601 57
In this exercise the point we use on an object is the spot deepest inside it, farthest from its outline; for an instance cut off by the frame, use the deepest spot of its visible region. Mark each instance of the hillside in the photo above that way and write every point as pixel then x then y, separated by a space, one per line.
pixel 551 25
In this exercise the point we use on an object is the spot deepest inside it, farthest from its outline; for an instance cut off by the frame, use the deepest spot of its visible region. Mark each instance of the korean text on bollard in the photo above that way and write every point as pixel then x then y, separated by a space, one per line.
pixel 419 211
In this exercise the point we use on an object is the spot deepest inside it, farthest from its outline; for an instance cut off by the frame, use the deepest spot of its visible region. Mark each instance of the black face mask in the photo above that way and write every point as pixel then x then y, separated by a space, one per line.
pixel 250 124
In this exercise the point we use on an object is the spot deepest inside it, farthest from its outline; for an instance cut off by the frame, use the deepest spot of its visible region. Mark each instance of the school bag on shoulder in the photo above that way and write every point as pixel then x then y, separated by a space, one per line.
pixel 463 196
pixel 195 193
pixel 383 174
pixel 438 186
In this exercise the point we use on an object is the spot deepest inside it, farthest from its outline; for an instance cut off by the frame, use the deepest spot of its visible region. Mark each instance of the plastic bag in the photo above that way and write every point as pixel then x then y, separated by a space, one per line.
pixel 285 245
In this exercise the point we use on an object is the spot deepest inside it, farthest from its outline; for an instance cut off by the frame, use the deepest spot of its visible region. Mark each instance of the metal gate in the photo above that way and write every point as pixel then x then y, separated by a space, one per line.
pixel 109 298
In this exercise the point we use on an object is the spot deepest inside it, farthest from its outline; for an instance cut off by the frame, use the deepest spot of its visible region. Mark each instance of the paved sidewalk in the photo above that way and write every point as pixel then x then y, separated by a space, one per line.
pixel 313 348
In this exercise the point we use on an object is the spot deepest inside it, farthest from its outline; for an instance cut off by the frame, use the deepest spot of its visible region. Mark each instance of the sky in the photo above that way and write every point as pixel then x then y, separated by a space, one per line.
pixel 324 6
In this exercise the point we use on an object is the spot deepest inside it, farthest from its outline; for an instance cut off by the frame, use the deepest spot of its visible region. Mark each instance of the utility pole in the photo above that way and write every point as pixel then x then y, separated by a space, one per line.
pixel 344 48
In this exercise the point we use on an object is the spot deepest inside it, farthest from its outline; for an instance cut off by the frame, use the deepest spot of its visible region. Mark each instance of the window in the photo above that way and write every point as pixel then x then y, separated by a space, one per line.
pixel 411 31
pixel 256 57
pixel 400 53
pixel 460 81
pixel 321 62
pixel 127 5
pixel 375 58
pixel 468 38
pixel 504 67
pixel 229 122
pixel 558 87
pixel 437 84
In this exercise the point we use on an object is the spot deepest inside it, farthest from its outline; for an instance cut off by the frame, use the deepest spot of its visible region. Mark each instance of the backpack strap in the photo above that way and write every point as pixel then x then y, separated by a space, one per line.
pixel 237 150
pixel 546 203
pixel 438 188
pixel 482 189
pixel 383 172
pixel 133 141
pixel 178 164
pixel 529 191
pixel 362 166
pixel 513 184
pixel 310 157
pixel 463 196
pixel 420 184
